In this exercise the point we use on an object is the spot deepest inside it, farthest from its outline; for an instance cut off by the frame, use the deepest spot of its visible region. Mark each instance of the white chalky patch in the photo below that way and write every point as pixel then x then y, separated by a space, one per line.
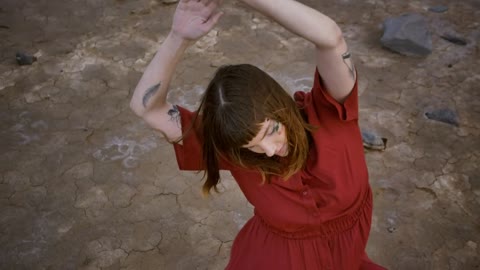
pixel 64 228
pixel 376 61
pixel 26 139
pixel 375 226
pixel 206 43
pixel 239 219
pixel 93 197
pixel 129 151
pixel 40 124
pixel 9 78
pixel 196 91
pixel 27 132
pixel 293 85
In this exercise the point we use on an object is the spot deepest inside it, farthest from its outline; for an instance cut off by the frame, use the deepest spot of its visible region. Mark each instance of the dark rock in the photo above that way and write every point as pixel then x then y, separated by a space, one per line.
pixel 372 141
pixel 454 39
pixel 438 9
pixel 391 229
pixel 408 35
pixel 443 115
pixel 169 2
pixel 25 59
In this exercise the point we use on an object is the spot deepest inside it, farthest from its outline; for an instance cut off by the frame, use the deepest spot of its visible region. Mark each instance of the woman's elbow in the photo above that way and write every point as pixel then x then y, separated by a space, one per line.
pixel 333 39
pixel 135 108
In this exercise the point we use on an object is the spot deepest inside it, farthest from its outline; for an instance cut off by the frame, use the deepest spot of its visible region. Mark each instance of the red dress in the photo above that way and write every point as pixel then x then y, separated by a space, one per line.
pixel 319 218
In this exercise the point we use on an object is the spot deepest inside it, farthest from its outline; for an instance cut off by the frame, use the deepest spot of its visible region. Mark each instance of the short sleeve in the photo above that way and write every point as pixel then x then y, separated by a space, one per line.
pixel 322 101
pixel 189 153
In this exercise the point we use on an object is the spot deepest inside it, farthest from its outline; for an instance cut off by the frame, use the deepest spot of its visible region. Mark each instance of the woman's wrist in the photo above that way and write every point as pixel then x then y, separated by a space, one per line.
pixel 179 40
pixel 175 42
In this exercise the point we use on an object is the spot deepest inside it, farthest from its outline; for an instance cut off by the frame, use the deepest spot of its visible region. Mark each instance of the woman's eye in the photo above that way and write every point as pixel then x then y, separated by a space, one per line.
pixel 275 128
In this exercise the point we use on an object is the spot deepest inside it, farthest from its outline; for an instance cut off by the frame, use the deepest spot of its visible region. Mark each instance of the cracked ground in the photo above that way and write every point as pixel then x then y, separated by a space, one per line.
pixel 84 184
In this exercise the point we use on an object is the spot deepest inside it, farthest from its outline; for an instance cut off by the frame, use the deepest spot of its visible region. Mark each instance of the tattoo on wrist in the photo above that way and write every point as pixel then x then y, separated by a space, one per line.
pixel 346 56
pixel 174 114
pixel 150 93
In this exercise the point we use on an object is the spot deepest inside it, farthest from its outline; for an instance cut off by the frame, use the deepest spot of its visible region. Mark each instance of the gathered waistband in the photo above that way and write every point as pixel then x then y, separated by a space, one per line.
pixel 328 228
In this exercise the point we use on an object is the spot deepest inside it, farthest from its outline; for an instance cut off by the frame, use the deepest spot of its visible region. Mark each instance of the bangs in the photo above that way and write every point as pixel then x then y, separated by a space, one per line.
pixel 234 128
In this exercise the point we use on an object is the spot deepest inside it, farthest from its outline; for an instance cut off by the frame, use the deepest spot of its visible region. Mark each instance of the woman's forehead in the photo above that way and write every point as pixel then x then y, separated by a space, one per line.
pixel 260 135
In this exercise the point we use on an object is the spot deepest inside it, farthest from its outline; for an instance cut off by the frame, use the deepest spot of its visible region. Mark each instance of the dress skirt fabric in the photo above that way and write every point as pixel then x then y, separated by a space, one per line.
pixel 333 246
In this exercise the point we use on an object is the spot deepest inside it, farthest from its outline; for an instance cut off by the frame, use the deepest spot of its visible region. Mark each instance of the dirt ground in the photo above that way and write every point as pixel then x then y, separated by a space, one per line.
pixel 84 184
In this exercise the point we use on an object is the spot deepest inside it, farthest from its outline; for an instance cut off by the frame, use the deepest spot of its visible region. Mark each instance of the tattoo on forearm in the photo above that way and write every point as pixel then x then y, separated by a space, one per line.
pixel 150 93
pixel 346 59
pixel 174 114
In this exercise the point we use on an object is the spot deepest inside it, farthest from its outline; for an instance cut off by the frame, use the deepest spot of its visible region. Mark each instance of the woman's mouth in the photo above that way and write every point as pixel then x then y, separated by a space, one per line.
pixel 283 151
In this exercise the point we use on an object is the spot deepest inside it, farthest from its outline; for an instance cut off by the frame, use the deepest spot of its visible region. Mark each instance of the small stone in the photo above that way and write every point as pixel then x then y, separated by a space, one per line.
pixel 455 40
pixel 443 115
pixel 25 59
pixel 472 244
pixel 373 142
pixel 391 229
pixel 169 2
pixel 462 132
pixel 438 9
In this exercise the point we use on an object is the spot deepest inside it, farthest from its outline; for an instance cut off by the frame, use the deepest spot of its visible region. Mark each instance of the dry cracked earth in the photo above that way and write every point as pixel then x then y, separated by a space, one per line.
pixel 84 184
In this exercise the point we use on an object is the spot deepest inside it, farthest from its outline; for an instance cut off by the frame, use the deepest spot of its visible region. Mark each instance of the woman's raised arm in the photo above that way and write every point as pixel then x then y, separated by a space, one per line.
pixel 333 59
pixel 192 20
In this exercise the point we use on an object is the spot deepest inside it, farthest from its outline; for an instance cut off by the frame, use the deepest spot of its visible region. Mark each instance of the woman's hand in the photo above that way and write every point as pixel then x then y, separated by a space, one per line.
pixel 195 18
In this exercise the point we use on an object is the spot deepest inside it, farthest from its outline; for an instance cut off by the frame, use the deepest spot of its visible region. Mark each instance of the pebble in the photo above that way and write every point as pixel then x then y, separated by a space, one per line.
pixel 373 142
pixel 169 2
pixel 25 59
pixel 443 115
pixel 454 39
pixel 472 244
pixel 438 9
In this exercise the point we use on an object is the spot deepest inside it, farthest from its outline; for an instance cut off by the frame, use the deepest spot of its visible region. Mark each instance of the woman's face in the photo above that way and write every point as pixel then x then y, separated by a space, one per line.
pixel 270 140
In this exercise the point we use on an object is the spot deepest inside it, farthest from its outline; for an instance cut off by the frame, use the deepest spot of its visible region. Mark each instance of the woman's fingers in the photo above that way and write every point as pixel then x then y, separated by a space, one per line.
pixel 212 7
pixel 210 23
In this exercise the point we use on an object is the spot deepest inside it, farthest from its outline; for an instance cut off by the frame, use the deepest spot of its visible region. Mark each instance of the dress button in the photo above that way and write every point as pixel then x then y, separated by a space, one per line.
pixel 305 193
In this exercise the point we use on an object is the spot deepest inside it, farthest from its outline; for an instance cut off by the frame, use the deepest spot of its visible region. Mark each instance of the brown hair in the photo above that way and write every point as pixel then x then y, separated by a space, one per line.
pixel 238 99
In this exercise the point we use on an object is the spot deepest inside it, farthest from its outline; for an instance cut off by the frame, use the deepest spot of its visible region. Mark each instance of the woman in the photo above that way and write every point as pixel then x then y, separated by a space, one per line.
pixel 299 161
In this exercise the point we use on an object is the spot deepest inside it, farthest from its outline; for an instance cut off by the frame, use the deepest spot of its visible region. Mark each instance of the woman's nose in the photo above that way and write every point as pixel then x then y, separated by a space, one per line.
pixel 269 149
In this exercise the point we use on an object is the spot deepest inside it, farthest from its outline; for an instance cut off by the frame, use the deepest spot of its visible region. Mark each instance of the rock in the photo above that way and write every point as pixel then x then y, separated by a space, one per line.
pixel 438 9
pixel 372 141
pixel 443 115
pixel 25 59
pixel 407 35
pixel 472 244
pixel 169 2
pixel 391 229
pixel 454 39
